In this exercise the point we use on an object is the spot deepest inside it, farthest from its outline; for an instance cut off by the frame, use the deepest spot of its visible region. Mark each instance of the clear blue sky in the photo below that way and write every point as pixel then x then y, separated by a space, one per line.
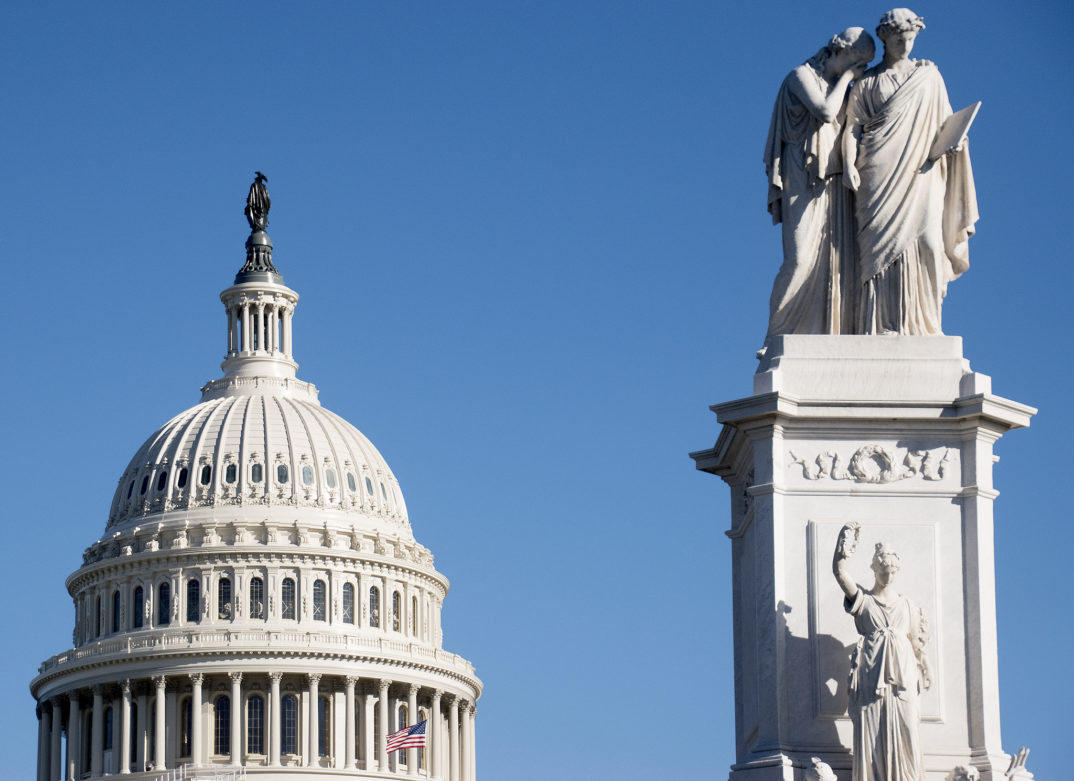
pixel 532 247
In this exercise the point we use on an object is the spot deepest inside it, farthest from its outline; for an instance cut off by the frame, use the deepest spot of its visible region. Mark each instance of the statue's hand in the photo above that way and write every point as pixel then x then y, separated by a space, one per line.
pixel 851 178
pixel 848 540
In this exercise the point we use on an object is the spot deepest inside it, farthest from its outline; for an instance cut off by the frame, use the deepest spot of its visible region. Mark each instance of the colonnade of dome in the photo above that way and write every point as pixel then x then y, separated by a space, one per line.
pixel 257 602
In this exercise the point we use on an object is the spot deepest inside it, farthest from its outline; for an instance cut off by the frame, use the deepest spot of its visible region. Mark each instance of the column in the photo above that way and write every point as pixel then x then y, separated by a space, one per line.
pixel 159 730
pixel 236 718
pixel 43 738
pixel 196 737
pixel 368 750
pixel 74 737
pixel 313 723
pixel 432 744
pixel 382 712
pixel 274 718
pixel 464 741
pixel 244 312
pixel 471 732
pixel 287 315
pixel 453 737
pixel 412 715
pixel 350 681
pixel 260 328
pixel 97 734
pixel 230 330
pixel 124 741
pixel 55 769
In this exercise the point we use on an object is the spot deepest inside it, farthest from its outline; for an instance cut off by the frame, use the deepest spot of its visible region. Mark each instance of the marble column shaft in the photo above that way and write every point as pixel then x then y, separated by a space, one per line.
pixel 196 737
pixel 349 722
pixel 74 738
pixel 382 712
pixel 274 709
pixel 159 729
pixel 124 741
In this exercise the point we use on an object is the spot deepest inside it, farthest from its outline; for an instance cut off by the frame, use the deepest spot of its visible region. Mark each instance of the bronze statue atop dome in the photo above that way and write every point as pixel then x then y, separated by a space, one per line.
pixel 258 203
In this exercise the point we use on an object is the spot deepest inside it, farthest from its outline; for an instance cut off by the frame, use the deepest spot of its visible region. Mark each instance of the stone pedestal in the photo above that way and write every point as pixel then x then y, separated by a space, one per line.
pixel 896 433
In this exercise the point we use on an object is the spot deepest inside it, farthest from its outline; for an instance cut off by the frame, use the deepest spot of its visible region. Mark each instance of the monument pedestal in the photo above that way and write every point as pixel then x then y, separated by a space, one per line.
pixel 897 434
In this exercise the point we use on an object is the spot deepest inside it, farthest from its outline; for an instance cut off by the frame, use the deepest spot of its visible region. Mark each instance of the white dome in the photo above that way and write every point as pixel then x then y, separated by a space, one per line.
pixel 259 446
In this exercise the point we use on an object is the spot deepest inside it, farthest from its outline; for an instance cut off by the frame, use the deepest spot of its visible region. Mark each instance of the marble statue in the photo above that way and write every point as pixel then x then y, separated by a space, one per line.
pixel 914 214
pixel 814 289
pixel 888 669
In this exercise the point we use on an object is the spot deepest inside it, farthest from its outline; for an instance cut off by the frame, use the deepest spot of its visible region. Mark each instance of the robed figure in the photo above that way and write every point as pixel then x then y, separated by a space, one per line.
pixel 914 214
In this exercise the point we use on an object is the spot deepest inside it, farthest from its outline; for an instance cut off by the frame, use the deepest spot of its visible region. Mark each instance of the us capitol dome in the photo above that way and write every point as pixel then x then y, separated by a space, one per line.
pixel 257 604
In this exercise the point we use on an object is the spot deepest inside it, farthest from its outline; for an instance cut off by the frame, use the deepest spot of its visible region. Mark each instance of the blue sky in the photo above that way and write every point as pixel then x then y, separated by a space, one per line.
pixel 532 247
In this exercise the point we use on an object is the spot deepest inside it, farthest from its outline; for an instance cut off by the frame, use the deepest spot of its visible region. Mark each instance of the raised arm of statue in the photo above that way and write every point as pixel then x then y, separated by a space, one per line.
pixel 844 549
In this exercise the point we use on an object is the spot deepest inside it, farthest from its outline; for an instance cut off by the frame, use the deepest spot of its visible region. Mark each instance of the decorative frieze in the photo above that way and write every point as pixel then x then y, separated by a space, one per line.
pixel 877 464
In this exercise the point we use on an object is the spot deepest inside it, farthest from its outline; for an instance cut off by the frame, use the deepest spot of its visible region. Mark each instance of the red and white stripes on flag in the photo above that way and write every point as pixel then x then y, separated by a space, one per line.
pixel 407 737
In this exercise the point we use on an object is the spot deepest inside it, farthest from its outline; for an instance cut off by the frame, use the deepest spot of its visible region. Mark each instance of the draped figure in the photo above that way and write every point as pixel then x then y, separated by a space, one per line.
pixel 814 289
pixel 914 216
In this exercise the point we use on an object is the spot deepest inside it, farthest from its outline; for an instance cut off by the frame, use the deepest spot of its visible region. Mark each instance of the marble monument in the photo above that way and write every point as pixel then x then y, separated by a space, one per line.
pixel 866 423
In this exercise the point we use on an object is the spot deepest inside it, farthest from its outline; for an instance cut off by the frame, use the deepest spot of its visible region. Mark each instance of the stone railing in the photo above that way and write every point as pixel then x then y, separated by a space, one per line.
pixel 207 640
pixel 200 772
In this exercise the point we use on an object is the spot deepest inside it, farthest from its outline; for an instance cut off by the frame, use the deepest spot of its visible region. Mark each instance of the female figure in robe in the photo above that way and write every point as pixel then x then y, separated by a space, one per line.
pixel 914 215
pixel 803 162
pixel 887 671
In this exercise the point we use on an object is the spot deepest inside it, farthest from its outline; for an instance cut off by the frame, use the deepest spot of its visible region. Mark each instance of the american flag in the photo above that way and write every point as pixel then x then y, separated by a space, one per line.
pixel 407 737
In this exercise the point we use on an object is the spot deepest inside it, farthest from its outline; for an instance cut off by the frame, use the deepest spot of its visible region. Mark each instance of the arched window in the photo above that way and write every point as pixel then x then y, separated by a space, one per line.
pixel 396 609
pixel 383 493
pixel 287 599
pixel 222 725
pixel 423 715
pixel 139 608
pixel 145 484
pixel 289 724
pixel 164 604
pixel 255 724
pixel 281 474
pixel 193 600
pixel 97 615
pixel 130 489
pixel 369 486
pixel 374 607
pixel 413 616
pixel 257 598
pixel 256 473
pixel 350 482
pixel 223 598
pixel 324 711
pixel 180 481
pixel 330 477
pixel 162 480
pixel 115 611
pixel 348 603
pixel 206 474
pixel 307 475
pixel 400 722
pixel 319 600
pixel 230 473
pixel 108 728
pixel 186 720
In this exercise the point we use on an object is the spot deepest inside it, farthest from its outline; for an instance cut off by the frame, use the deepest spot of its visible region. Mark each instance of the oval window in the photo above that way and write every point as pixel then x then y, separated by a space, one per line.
pixel 181 481
pixel 383 492
pixel 330 477
pixel 369 486
pixel 230 473
pixel 281 473
pixel 162 481
pixel 130 489
pixel 206 474
pixel 256 473
pixel 307 475
pixel 145 483
pixel 350 482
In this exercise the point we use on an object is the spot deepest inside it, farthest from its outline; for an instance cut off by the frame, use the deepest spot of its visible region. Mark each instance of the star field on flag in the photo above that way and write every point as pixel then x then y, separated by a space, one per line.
pixel 407 737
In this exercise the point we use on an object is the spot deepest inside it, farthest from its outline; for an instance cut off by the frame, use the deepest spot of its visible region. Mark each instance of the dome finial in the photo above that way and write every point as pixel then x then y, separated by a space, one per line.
pixel 258 245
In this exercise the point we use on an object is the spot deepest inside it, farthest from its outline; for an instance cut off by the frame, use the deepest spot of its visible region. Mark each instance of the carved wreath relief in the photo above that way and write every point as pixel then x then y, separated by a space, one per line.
pixel 875 464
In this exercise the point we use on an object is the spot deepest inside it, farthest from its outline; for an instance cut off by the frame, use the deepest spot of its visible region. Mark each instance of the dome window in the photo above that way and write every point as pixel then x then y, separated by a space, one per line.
pixel 396 609
pixel 180 481
pixel 164 603
pixel 348 603
pixel 307 475
pixel 206 474
pixel 139 607
pixel 330 477
pixel 287 599
pixel 369 486
pixel 162 481
pixel 351 484
pixel 257 598
pixel 230 473
pixel 223 599
pixel 374 607
pixel 281 473
pixel 145 484
pixel 130 489
pixel 383 492
pixel 193 600
pixel 319 600
pixel 256 473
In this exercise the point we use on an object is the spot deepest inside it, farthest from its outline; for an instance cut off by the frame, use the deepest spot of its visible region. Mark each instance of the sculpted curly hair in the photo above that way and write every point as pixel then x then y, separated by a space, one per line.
pixel 885 557
pixel 854 39
pixel 899 20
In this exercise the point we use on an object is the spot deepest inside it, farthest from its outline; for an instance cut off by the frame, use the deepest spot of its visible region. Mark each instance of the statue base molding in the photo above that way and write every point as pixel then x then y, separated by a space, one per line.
pixel 895 433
